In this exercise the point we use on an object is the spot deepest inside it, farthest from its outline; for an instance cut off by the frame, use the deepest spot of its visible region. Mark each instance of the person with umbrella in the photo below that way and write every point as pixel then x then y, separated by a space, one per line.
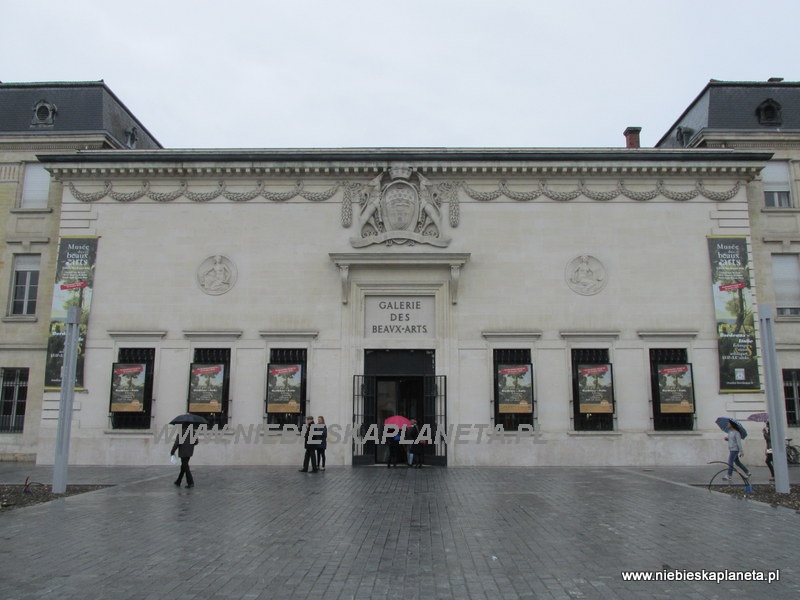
pixel 735 449
pixel 184 444
pixel 400 422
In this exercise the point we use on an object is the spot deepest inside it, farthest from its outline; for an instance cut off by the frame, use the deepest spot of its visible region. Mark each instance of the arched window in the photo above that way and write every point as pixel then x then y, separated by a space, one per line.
pixel 769 112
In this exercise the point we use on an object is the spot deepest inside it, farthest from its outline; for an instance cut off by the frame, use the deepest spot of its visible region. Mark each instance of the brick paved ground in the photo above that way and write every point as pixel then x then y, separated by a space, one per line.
pixel 371 532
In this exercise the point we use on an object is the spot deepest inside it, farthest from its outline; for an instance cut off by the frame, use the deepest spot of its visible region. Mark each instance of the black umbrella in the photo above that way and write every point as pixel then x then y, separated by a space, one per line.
pixel 188 419
pixel 722 423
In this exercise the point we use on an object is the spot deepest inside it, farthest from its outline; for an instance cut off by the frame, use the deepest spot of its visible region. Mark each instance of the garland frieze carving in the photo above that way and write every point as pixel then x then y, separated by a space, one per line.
pixel 543 189
pixel 427 199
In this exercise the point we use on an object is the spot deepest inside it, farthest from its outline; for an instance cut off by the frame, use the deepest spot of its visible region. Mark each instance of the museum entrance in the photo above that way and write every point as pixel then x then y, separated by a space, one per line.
pixel 398 382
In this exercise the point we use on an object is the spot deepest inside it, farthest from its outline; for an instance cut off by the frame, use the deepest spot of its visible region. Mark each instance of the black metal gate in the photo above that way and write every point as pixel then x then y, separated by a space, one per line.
pixel 365 416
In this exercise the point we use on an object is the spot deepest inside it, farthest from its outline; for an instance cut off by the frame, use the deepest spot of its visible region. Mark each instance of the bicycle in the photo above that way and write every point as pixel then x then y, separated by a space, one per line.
pixel 748 488
pixel 792 453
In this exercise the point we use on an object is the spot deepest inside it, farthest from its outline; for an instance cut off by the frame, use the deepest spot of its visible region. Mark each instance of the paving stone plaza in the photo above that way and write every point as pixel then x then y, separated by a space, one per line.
pixel 371 532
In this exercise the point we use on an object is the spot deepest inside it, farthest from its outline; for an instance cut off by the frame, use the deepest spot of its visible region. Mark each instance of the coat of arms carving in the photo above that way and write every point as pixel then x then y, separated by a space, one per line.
pixel 398 208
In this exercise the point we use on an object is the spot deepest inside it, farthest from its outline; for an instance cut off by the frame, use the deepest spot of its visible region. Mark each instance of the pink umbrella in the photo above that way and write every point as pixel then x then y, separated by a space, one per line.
pixel 759 417
pixel 398 420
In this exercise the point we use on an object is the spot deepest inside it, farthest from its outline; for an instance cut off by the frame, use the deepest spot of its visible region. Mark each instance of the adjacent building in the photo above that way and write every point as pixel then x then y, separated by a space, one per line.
pixel 39 118
pixel 761 116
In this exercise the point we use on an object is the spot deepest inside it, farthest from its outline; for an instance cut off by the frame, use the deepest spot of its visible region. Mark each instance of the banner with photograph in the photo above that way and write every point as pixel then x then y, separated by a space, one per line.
pixel 73 287
pixel 127 387
pixel 206 385
pixel 284 388
pixel 595 389
pixel 515 389
pixel 675 388
pixel 733 306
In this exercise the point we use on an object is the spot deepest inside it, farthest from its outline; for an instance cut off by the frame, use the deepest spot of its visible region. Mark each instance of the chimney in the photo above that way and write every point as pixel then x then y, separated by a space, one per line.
pixel 632 137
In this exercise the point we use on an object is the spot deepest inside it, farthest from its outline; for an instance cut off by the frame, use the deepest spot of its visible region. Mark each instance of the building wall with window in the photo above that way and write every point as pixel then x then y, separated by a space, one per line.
pixel 564 294
pixel 37 118
pixel 761 116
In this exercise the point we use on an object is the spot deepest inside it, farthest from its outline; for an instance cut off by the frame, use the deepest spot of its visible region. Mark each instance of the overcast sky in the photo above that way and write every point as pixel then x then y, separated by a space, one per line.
pixel 401 73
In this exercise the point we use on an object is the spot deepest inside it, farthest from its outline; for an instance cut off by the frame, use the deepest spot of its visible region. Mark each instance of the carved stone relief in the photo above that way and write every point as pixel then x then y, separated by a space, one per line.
pixel 216 275
pixel 398 208
pixel 586 275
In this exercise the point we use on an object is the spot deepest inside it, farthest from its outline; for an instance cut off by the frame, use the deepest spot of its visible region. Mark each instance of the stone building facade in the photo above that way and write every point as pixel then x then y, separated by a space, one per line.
pixel 573 296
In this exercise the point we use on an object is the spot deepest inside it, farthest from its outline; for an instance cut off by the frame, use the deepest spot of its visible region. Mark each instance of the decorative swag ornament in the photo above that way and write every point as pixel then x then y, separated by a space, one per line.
pixel 440 192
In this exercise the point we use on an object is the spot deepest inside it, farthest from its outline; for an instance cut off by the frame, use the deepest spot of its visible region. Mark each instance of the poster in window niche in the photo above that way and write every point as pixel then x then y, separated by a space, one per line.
pixel 127 387
pixel 595 389
pixel 675 388
pixel 205 388
pixel 284 388
pixel 514 389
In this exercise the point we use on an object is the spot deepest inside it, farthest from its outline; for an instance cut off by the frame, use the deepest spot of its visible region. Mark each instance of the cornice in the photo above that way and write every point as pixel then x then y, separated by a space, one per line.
pixel 749 140
pixel 419 156
pixel 452 261
pixel 56 143
pixel 512 335
pixel 216 171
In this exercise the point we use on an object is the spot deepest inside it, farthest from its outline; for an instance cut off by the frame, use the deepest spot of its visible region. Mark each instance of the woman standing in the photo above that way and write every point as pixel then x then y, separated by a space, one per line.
pixel 768 458
pixel 322 442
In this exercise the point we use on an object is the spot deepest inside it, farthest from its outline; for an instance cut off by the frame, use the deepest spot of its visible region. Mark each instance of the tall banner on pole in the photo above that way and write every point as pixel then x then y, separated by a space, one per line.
pixel 733 306
pixel 73 288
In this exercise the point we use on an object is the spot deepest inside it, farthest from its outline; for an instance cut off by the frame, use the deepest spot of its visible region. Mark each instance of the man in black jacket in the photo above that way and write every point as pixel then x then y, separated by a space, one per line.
pixel 184 444
pixel 311 444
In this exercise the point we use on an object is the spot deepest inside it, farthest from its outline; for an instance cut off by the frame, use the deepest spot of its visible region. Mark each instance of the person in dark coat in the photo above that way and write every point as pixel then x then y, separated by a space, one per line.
pixel 412 432
pixel 310 446
pixel 394 451
pixel 184 445
pixel 322 437
pixel 768 458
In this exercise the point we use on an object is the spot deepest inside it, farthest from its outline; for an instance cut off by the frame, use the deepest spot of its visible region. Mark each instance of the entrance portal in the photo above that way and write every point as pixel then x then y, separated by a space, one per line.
pixel 398 382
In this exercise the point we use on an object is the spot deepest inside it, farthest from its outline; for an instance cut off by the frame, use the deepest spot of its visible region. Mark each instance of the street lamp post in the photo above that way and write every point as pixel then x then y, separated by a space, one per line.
pixel 775 410
pixel 65 404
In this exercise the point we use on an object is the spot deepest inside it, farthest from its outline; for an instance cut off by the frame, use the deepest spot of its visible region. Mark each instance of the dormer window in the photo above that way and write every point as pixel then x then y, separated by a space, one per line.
pixel 769 113
pixel 44 114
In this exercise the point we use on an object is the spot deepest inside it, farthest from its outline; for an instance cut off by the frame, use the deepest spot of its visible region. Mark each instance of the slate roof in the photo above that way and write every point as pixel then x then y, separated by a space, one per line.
pixel 82 107
pixel 732 106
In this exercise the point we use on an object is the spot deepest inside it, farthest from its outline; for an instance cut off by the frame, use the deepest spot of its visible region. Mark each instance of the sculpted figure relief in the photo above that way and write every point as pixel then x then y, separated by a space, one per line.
pixel 586 275
pixel 399 209
pixel 216 275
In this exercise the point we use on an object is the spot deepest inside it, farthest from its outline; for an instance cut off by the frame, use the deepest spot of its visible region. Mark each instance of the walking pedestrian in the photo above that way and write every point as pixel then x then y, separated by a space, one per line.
pixel 322 439
pixel 184 444
pixel 768 458
pixel 735 451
